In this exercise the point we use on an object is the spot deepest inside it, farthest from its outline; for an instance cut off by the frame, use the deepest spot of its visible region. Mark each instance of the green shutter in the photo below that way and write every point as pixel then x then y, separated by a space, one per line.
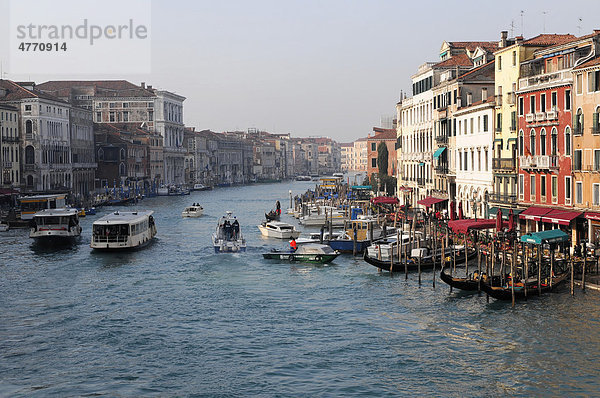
pixel 595 123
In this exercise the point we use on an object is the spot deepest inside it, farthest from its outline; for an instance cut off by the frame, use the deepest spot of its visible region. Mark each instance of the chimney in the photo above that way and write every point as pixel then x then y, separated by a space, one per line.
pixel 503 37
pixel 143 85
pixel 484 94
pixel 469 99
pixel 149 87
pixel 3 92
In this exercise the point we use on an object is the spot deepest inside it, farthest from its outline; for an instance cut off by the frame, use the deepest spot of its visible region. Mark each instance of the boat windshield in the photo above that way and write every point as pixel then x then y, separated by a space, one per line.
pixel 52 220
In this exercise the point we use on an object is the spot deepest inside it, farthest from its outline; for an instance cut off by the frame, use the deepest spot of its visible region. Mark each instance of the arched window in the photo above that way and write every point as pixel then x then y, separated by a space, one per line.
pixel 554 142
pixel 122 169
pixel 543 142
pixel 29 155
pixel 596 121
pixel 100 154
pixel 123 157
pixel 521 142
pixel 29 180
pixel 579 122
pixel 532 142
pixel 567 141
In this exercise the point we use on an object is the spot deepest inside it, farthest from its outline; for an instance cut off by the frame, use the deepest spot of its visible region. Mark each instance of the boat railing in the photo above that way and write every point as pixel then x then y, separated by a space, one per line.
pixel 111 239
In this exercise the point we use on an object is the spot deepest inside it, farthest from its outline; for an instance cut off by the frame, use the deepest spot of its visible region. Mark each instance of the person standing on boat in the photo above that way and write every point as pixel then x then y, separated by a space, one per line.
pixel 293 245
pixel 278 207
pixel 236 229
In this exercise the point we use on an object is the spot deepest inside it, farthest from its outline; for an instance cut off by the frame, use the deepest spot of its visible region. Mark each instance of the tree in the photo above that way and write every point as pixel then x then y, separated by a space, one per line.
pixel 374 185
pixel 382 158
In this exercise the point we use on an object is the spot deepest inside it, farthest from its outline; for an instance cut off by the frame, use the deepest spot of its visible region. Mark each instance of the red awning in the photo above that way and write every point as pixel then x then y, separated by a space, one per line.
pixel 384 200
pixel 534 213
pixel 405 189
pixel 592 216
pixel 463 226
pixel 430 201
pixel 560 216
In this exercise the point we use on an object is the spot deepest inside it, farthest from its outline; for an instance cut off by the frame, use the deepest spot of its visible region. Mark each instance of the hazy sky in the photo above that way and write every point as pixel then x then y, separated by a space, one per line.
pixel 307 67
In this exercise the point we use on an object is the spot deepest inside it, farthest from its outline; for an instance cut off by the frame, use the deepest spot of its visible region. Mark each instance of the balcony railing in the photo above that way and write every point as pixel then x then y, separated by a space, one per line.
pixel 544 79
pixel 10 139
pixel 442 169
pixel 7 165
pixel 538 162
pixel 540 116
pixel 29 167
pixel 504 164
pixel 441 139
pixel 510 98
pixel 530 117
pixel 503 198
pixel 552 115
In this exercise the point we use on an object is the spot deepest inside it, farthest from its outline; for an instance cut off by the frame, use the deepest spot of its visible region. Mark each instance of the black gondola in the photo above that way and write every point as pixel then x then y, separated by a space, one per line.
pixel 272 216
pixel 470 284
pixel 412 264
pixel 505 292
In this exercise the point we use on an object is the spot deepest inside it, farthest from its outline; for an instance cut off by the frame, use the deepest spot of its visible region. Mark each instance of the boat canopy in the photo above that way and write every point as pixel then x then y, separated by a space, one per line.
pixel 544 237
pixel 384 200
pixel 464 225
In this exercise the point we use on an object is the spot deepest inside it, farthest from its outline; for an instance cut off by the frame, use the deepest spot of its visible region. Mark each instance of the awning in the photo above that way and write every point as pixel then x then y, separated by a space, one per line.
pixel 551 236
pixel 592 216
pixel 494 210
pixel 384 200
pixel 430 201
pixel 560 216
pixel 498 140
pixel 359 187
pixel 508 141
pixel 463 226
pixel 534 213
pixel 405 189
pixel 421 164
pixel 438 152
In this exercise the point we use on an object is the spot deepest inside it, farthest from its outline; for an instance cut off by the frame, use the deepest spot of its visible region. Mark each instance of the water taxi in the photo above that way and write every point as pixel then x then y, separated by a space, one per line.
pixel 54 225
pixel 123 230
pixel 228 237
pixel 279 230
pixel 193 211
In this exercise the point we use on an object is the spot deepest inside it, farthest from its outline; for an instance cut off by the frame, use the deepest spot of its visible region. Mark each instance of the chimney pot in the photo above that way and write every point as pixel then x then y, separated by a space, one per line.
pixel 143 85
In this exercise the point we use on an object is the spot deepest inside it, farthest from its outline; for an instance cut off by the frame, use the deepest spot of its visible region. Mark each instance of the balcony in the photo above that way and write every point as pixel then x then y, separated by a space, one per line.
pixel 529 118
pixel 421 181
pixel 29 167
pixel 441 139
pixel 540 81
pixel 498 99
pixel 540 116
pixel 7 165
pixel 504 164
pixel 503 198
pixel 10 139
pixel 538 162
pixel 552 115
pixel 441 169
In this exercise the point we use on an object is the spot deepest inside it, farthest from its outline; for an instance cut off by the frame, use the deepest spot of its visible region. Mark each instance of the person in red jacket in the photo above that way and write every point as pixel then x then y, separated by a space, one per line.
pixel 293 245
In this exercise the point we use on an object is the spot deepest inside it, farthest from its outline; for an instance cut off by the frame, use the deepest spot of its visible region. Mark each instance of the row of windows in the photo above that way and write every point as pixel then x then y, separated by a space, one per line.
pixel 8 116
pixel 543 103
pixel 543 187
pixel 593 82
pixel 422 85
pixel 542 143
pixel 475 164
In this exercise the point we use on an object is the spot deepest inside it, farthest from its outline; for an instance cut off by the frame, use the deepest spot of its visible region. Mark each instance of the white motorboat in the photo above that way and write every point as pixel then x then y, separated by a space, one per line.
pixel 123 230
pixel 315 237
pixel 389 246
pixel 279 230
pixel 52 225
pixel 322 215
pixel 3 227
pixel 193 211
pixel 162 191
pixel 200 187
pixel 228 237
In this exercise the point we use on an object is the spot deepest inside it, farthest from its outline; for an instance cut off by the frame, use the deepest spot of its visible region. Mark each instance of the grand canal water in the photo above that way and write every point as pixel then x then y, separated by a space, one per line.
pixel 177 319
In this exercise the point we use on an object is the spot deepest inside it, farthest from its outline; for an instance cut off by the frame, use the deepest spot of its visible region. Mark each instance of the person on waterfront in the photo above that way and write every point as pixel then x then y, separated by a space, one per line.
pixel 293 245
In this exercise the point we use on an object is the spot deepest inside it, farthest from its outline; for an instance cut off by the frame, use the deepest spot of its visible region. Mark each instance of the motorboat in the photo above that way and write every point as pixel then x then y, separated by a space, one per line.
pixel 228 237
pixel 366 229
pixel 162 191
pixel 3 227
pixel 322 216
pixel 193 211
pixel 315 237
pixel 279 230
pixel 55 225
pixel 123 230
pixel 200 187
pixel 311 253
pixel 303 178
pixel 389 246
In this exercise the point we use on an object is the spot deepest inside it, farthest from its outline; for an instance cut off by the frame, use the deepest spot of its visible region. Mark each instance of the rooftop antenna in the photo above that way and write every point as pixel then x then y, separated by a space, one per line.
pixel 544 20
pixel 579 26
pixel 522 31
pixel 512 28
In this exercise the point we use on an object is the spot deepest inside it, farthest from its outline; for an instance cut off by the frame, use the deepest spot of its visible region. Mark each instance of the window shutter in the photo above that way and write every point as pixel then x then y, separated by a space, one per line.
pixel 595 123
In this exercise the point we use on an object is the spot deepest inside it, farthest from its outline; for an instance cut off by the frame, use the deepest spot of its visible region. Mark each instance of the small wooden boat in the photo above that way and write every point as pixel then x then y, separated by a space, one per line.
pixel 470 284
pixel 505 292
pixel 309 253
pixel 426 256
pixel 272 216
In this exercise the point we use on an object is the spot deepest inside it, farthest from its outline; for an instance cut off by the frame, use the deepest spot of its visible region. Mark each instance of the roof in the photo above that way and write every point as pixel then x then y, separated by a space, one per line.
pixel 430 200
pixel 120 217
pixel 386 135
pixel 16 92
pixel 101 88
pixel 56 212
pixel 456 60
pixel 384 200
pixel 472 45
pixel 550 236
pixel 546 39
pixel 588 64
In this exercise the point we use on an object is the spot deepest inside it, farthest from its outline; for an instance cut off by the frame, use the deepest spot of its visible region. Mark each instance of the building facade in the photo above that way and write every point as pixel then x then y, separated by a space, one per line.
pixel 10 150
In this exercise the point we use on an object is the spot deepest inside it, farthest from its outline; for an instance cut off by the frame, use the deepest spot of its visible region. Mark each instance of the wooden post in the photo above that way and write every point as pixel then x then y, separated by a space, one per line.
pixel 540 270
pixel 478 248
pixel 572 274
pixel 434 253
pixel 584 268
pixel 489 276
pixel 526 267
pixel 354 233
pixel 551 265
pixel 466 259
pixel 512 275
pixel 419 265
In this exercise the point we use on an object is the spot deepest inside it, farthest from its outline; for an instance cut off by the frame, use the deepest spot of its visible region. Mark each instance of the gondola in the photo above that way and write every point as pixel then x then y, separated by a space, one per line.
pixel 272 216
pixel 470 284
pixel 505 292
pixel 428 260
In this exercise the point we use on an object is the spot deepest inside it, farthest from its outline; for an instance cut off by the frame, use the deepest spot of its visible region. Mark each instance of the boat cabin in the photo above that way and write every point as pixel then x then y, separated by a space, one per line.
pixel 123 230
